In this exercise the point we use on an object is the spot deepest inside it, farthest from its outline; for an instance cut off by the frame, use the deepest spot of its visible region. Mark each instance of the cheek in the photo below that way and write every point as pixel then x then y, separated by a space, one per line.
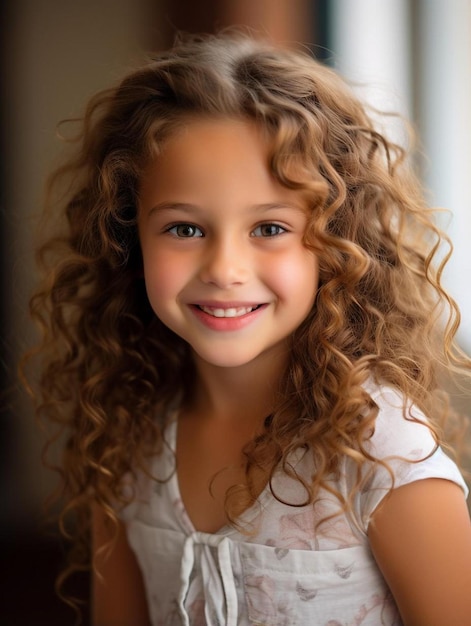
pixel 163 277
pixel 296 277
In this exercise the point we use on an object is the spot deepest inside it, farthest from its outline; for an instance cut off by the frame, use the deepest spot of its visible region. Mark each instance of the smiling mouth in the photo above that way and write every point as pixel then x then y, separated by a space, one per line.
pixel 229 312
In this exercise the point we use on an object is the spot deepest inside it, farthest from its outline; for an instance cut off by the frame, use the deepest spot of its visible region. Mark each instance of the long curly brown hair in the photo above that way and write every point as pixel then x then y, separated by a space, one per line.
pixel 110 369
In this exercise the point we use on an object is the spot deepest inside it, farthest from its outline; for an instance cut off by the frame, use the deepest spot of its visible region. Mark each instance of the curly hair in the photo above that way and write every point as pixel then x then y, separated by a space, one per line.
pixel 110 369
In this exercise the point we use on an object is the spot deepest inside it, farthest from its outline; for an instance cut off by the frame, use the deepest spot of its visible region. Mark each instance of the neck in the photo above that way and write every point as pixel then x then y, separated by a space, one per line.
pixel 247 392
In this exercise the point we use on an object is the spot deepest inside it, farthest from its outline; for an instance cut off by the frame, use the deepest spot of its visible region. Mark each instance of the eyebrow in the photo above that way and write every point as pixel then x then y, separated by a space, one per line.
pixel 190 208
pixel 172 206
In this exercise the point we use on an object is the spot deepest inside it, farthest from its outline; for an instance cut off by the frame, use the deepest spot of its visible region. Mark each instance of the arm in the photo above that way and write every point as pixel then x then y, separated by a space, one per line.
pixel 118 597
pixel 421 538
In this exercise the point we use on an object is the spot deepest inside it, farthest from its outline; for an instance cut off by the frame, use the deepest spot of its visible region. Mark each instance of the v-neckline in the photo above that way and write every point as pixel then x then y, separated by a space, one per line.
pixel 179 506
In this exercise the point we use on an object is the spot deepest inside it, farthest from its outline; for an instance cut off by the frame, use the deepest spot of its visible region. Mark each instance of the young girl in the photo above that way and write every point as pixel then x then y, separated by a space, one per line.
pixel 243 337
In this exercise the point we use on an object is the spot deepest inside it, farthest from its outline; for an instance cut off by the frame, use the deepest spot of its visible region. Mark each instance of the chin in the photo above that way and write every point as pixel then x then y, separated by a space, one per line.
pixel 226 358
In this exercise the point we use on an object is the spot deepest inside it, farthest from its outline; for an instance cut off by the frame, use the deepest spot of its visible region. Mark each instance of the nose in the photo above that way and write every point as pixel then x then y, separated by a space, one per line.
pixel 225 263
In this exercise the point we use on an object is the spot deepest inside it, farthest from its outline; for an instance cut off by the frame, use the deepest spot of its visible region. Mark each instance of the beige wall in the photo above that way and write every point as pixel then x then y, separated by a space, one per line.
pixel 57 54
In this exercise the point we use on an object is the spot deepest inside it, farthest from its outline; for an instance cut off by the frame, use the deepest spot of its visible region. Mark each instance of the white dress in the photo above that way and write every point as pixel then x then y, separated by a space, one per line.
pixel 287 572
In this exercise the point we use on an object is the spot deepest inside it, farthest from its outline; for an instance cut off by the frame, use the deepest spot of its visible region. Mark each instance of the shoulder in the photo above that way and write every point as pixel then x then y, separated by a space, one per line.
pixel 404 440
pixel 402 450
pixel 401 429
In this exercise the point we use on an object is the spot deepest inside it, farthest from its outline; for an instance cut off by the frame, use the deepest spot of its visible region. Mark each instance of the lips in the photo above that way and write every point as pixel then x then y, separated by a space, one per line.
pixel 227 316
pixel 228 311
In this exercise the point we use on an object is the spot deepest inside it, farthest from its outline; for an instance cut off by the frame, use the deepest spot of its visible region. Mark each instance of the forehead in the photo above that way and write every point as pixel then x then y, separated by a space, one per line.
pixel 219 156
pixel 203 136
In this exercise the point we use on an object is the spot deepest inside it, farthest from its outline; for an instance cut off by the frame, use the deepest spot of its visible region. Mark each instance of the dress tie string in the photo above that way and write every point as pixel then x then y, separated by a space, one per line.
pixel 217 577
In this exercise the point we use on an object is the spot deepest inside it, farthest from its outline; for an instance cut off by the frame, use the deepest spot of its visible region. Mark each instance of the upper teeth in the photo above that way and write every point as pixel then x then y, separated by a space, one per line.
pixel 233 312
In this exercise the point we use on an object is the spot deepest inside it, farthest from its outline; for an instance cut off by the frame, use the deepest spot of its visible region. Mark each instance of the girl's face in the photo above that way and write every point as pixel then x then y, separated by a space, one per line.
pixel 222 243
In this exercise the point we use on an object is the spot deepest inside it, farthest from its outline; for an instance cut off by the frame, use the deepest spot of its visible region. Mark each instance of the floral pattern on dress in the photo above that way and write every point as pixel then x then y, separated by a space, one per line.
pixel 272 602
pixel 302 531
pixel 265 604
pixel 381 607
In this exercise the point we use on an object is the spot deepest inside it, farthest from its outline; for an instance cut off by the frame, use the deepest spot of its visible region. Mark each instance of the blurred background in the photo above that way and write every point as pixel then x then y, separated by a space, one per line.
pixel 411 56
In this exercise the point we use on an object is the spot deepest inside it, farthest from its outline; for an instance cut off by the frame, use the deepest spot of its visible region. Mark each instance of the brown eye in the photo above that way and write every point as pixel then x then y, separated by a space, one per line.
pixel 185 231
pixel 268 230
